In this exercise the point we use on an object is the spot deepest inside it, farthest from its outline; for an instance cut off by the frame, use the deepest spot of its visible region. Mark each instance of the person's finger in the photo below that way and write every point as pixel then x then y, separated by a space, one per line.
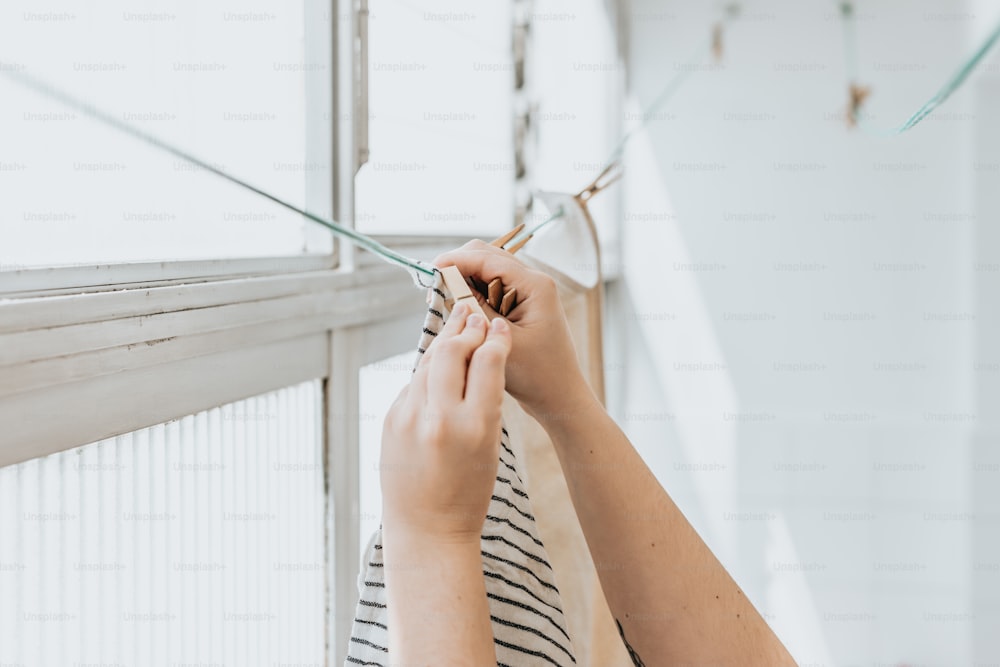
pixel 491 314
pixel 485 384
pixel 454 325
pixel 447 370
pixel 486 262
pixel 480 259
pixel 420 382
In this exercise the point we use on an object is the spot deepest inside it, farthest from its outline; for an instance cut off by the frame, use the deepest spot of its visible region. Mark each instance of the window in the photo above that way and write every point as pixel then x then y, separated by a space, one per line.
pixel 240 87
pixel 138 295
pixel 577 79
pixel 195 541
pixel 380 383
pixel 427 133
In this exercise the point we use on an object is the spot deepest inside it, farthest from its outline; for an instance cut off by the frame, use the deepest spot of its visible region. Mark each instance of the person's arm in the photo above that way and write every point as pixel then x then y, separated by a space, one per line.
pixel 437 608
pixel 673 601
pixel 440 448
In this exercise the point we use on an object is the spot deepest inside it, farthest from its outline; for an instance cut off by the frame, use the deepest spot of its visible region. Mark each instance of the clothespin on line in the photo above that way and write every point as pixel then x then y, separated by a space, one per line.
pixel 500 300
pixel 718 47
pixel 608 175
pixel 718 34
pixel 460 290
pixel 857 96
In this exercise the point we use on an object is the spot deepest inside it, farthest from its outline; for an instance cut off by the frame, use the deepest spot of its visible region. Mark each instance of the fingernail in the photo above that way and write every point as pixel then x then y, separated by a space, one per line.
pixel 475 320
pixel 460 309
pixel 498 325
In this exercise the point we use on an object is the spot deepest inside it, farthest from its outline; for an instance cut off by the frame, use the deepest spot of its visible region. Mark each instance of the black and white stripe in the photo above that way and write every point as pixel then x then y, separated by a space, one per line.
pixel 529 629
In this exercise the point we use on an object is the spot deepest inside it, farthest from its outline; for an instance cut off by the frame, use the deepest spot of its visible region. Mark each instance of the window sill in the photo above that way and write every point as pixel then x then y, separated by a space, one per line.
pixel 78 368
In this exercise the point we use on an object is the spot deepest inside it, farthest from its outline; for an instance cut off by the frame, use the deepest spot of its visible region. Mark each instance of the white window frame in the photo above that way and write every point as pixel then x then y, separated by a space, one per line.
pixel 329 113
pixel 81 367
pixel 90 352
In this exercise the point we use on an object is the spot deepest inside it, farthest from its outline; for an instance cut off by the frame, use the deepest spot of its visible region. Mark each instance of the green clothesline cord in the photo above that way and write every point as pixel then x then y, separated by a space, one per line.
pixel 950 86
pixel 665 95
pixel 701 54
pixel 850 41
pixel 527 233
pixel 418 268
pixel 414 266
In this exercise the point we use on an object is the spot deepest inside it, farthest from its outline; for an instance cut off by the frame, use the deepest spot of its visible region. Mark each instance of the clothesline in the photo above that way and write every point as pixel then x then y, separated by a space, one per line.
pixel 415 266
pixel 423 274
pixel 701 54
pixel 939 98
pixel 421 271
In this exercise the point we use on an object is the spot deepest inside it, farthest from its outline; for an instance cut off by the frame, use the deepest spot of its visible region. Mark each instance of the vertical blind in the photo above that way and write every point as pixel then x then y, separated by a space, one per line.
pixel 198 541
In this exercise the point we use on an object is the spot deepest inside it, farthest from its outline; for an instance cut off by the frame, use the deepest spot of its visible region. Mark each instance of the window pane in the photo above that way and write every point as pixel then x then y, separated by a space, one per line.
pixel 576 74
pixel 198 541
pixel 440 119
pixel 227 83
pixel 379 384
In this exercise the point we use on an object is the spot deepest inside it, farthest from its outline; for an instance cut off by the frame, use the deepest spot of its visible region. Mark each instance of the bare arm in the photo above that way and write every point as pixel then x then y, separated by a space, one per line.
pixel 673 601
pixel 438 614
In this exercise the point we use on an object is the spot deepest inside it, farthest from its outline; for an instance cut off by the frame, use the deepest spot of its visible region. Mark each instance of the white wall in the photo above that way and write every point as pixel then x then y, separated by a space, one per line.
pixel 803 308
pixel 986 369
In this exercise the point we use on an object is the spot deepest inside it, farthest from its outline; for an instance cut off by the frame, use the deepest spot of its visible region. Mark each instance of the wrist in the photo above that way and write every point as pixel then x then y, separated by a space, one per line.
pixel 567 409
pixel 405 554
pixel 405 539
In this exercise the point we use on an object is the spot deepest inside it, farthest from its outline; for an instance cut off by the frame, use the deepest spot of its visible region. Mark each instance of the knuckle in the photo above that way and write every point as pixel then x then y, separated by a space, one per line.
pixel 491 356
pixel 474 426
pixel 479 435
pixel 450 346
pixel 398 418
pixel 546 282
pixel 492 415
pixel 437 432
pixel 474 244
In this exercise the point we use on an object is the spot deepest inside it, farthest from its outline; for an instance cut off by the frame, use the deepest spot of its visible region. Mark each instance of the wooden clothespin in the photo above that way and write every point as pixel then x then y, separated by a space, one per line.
pixel 506 238
pixel 608 175
pixel 732 11
pixel 858 95
pixel 460 291
pixel 718 48
pixel 500 300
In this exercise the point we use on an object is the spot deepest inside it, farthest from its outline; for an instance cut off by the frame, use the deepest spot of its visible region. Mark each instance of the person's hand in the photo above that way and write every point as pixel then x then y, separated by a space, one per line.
pixel 441 439
pixel 543 372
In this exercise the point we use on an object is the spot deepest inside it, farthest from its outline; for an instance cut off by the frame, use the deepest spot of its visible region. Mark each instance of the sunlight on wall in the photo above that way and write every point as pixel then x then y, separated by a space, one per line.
pixel 437 120
pixel 662 281
pixel 791 609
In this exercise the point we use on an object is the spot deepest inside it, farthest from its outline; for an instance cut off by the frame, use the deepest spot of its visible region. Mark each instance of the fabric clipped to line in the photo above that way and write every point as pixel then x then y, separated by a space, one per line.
pixel 525 608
